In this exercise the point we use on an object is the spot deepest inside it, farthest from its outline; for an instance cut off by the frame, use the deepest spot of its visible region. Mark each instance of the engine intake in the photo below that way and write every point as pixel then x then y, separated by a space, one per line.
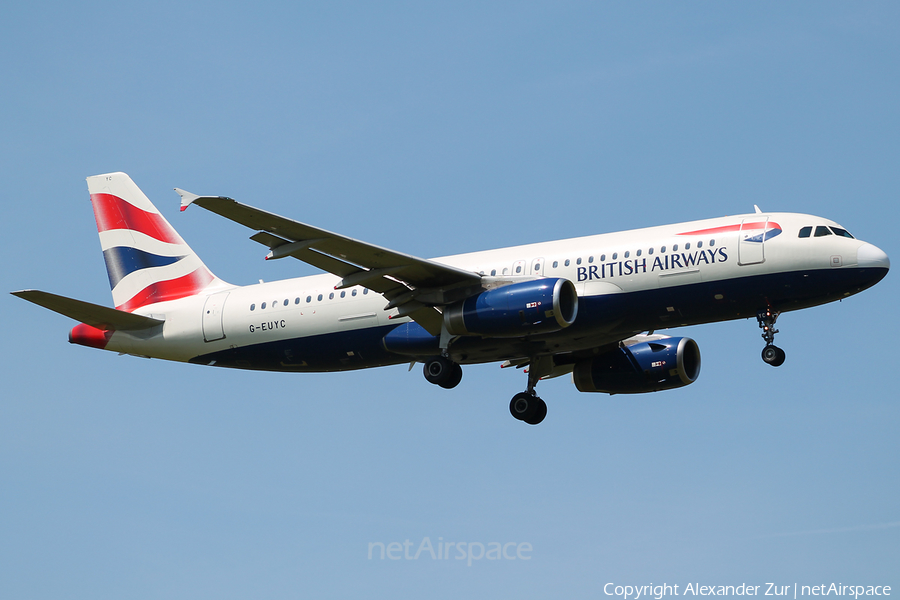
pixel 646 367
pixel 529 307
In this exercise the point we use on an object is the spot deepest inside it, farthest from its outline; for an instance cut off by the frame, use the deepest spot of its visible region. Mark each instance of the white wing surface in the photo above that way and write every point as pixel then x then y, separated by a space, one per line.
pixel 417 287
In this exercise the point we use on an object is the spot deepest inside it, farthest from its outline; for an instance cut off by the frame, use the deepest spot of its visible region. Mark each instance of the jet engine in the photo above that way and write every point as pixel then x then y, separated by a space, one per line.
pixel 528 307
pixel 662 364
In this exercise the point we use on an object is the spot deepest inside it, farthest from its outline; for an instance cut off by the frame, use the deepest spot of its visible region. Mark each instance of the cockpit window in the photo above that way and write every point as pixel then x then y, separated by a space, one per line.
pixel 841 232
pixel 805 231
pixel 822 231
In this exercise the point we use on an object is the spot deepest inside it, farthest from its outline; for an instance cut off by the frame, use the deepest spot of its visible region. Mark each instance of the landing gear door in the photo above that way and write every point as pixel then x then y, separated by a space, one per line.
pixel 212 317
pixel 751 241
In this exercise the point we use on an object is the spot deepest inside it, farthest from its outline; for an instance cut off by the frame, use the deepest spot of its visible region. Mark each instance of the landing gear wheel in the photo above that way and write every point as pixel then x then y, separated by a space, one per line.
pixel 539 413
pixel 528 407
pixel 442 371
pixel 455 377
pixel 773 355
pixel 518 406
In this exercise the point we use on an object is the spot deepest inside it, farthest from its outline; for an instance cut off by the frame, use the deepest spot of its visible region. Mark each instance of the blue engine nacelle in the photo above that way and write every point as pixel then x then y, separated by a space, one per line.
pixel 529 307
pixel 646 367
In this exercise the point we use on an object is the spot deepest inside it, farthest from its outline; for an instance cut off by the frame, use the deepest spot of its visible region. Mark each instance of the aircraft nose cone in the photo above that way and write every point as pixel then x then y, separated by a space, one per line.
pixel 869 256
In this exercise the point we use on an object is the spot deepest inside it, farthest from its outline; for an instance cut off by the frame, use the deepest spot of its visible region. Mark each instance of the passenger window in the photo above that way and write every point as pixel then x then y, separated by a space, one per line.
pixel 252 307
pixel 297 300
pixel 675 248
pixel 567 262
pixel 638 253
pixel 308 299
pixel 555 263
pixel 494 271
pixel 627 254
pixel 578 262
pixel 365 291
pixel 842 232
pixel 285 301
pixel 590 259
pixel 615 255
pixel 712 242
pixel 686 246
pixel 700 244
pixel 331 296
pixel 602 258
pixel 663 250
pixel 353 293
pixel 822 231
pixel 343 294
pixel 518 269
pixel 805 231
pixel 505 271
pixel 263 306
pixel 320 297
pixel 650 251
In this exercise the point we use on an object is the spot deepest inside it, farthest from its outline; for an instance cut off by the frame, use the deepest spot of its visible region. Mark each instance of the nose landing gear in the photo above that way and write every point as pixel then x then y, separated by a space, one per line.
pixel 771 354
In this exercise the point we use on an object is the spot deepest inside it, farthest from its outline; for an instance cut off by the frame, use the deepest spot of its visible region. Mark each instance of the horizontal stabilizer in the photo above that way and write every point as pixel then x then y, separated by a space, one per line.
pixel 100 317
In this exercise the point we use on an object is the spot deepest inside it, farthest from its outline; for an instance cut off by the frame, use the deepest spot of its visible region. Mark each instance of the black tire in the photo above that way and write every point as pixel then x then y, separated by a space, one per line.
pixel 520 405
pixel 438 370
pixel 456 374
pixel 538 413
pixel 528 407
pixel 773 355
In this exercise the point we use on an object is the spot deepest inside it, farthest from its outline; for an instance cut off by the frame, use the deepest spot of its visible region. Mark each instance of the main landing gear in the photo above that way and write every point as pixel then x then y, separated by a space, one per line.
pixel 771 354
pixel 526 406
pixel 442 371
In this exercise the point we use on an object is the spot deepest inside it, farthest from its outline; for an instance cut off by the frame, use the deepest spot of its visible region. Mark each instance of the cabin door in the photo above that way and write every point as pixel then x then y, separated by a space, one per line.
pixel 751 241
pixel 212 317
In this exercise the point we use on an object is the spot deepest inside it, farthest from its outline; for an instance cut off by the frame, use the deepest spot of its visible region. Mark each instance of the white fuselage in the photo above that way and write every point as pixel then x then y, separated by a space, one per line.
pixel 664 259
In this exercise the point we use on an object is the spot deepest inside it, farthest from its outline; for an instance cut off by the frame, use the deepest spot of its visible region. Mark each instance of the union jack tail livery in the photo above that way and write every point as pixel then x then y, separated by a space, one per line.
pixel 146 260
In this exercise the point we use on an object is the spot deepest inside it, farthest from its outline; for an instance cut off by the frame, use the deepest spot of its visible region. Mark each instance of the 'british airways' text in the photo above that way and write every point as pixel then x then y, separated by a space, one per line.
pixel 665 262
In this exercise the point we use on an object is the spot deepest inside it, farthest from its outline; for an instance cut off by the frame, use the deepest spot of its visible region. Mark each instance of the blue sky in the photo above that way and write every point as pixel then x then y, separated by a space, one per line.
pixel 438 129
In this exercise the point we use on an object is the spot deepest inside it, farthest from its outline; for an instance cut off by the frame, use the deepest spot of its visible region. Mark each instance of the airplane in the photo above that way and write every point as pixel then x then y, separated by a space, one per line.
pixel 588 307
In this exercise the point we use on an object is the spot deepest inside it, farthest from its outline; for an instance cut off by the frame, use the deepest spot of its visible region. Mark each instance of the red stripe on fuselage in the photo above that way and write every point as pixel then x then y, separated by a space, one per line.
pixel 738 227
pixel 173 289
pixel 112 212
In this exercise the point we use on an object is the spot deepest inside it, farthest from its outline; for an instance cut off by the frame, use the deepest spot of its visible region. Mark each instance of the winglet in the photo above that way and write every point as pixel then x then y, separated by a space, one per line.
pixel 755 207
pixel 186 198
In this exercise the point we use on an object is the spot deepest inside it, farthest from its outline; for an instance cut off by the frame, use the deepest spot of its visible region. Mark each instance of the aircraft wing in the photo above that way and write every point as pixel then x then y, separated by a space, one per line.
pixel 415 286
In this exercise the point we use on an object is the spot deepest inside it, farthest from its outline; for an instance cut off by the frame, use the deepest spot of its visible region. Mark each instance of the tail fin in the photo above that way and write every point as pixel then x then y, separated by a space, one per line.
pixel 146 259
